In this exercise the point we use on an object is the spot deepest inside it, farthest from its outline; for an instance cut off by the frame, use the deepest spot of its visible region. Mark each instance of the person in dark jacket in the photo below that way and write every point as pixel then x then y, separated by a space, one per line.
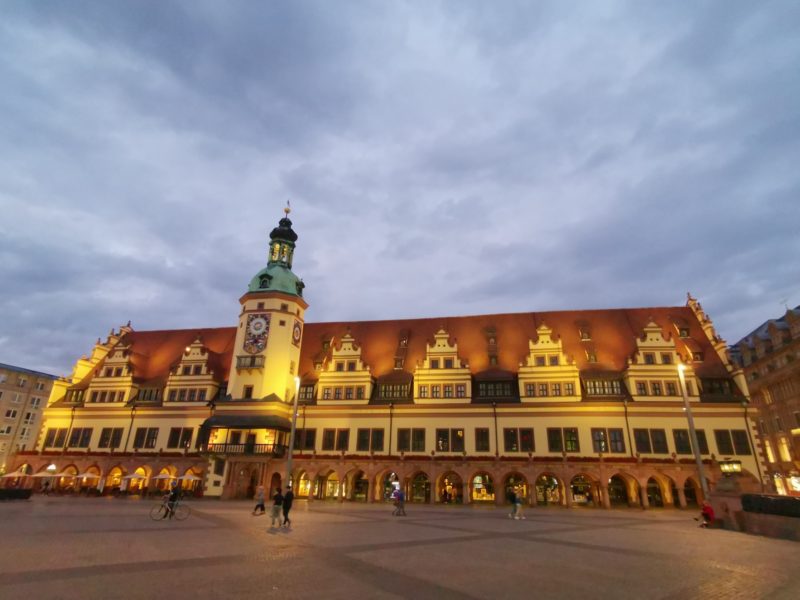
pixel 277 502
pixel 512 498
pixel 287 506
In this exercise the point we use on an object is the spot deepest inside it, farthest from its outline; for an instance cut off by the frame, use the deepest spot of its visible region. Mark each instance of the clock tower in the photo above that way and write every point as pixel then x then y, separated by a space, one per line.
pixel 266 356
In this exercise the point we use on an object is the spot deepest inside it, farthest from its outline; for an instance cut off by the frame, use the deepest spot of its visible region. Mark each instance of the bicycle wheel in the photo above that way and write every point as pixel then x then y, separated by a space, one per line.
pixel 158 512
pixel 182 512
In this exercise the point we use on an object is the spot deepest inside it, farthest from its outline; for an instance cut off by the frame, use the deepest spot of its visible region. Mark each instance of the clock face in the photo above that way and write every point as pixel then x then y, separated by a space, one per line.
pixel 256 332
pixel 258 326
pixel 297 333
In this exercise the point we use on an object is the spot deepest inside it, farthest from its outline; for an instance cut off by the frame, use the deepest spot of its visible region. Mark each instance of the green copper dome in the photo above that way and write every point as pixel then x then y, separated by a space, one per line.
pixel 277 276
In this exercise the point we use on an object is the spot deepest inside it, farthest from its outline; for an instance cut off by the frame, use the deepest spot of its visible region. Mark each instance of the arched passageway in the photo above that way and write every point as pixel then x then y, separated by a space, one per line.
pixel 482 488
pixel 420 488
pixel 548 490
pixel 655 495
pixel 451 489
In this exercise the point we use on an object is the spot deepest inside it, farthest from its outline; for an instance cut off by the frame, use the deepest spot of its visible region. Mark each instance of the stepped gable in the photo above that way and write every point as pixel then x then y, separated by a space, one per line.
pixel 153 353
pixel 613 334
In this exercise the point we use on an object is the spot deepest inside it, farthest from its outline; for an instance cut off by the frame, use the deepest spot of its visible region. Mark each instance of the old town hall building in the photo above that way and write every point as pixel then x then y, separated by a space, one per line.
pixel 567 407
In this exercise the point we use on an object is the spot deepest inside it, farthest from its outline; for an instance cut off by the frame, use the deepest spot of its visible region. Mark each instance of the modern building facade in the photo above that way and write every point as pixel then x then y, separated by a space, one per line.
pixel 770 356
pixel 566 407
pixel 23 397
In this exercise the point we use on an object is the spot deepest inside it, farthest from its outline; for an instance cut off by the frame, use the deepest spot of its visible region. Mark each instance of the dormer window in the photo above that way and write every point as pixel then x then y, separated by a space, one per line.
pixel 585 334
pixel 339 366
pixel 666 358
pixel 198 370
pixel 493 360
pixel 448 363
pixel 591 357
pixel 318 366
pixel 187 370
pixel 683 332
pixel 398 363
pixel 434 363
pixel 553 359
pixel 540 361
pixel 326 346
pixel 649 358
pixel 351 365
pixel 697 356
pixel 263 282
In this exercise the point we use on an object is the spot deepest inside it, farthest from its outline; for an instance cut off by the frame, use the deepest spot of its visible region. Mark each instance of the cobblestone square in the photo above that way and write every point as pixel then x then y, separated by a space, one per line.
pixel 110 548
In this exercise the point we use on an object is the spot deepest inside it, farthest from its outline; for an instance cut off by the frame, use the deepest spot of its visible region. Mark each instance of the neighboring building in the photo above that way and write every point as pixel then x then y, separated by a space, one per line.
pixel 770 356
pixel 568 407
pixel 23 396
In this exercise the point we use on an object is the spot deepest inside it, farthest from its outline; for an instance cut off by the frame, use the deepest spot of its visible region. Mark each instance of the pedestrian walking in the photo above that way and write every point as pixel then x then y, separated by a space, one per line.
pixel 259 507
pixel 707 513
pixel 287 506
pixel 401 503
pixel 518 501
pixel 512 498
pixel 277 502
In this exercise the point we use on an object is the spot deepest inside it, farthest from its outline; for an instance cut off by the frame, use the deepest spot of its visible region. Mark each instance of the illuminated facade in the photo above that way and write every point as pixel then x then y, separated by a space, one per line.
pixel 568 407
pixel 770 356
pixel 23 396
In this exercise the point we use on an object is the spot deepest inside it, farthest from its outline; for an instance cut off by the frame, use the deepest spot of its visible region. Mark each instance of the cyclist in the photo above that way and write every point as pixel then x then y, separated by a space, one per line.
pixel 172 500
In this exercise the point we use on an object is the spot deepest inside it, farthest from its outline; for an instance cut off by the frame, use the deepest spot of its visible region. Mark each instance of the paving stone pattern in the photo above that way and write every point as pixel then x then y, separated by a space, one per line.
pixel 109 548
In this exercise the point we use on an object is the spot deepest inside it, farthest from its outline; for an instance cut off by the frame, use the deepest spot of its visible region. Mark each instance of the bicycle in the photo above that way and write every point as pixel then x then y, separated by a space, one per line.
pixel 163 510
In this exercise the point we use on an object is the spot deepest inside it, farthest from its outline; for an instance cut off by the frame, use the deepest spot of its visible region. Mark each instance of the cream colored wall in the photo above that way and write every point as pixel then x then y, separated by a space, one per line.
pixel 280 354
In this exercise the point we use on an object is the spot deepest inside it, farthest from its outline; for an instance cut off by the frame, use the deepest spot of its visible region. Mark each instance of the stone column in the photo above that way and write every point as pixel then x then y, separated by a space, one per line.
pixel 643 496
pixel 604 498
pixel 681 498
pixel 568 495
pixel 532 499
pixel 370 490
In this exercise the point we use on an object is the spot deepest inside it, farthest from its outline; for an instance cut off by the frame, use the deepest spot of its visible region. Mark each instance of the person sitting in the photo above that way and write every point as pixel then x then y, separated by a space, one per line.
pixel 707 514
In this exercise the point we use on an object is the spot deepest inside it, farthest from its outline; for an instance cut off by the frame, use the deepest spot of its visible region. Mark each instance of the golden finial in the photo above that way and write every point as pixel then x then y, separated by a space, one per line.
pixel 288 208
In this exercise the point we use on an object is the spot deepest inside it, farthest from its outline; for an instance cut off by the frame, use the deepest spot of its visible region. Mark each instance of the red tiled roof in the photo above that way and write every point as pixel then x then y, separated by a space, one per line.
pixel 613 333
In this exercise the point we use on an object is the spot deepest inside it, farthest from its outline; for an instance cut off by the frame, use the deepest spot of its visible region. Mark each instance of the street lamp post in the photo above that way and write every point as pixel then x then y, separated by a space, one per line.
pixel 293 431
pixel 695 445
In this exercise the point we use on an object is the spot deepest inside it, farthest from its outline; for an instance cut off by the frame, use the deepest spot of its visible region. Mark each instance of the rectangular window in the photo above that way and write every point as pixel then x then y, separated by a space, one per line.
pixel 151 438
pixel 339 366
pixel 80 437
pixel 435 390
pixel 448 363
pixel 173 395
pixel 553 360
pixel 655 386
pixel 666 358
pixel 569 389
pixel 599 441
pixel 511 440
pixel 616 441
pixel 403 440
pixel 682 444
pixel 540 361
pixel 192 395
pixel 741 444
pixel 29 418
pixel 672 389
pixel 348 393
pixel 326 393
pixel 434 363
pixel 362 440
pixel 11 413
pixel 309 439
pixel 530 390
pixel 248 392
pixel 197 370
pixel 443 440
pixel 418 440
pixel 201 395
pixel 448 390
pixel 110 437
pixel 724 442
pixel 105 438
pixel 542 389
pixel 219 467
pixel 360 392
pixel 351 365
pixel 481 439
pixel 461 390
pixel 556 389
pixel 555 440
pixel 702 442
pixel 93 397
pixel 571 441
pixel 526 443
pixel 329 439
pixel 377 440
pixel 337 393
pixel 641 438
pixel 174 438
pixel 187 370
pixel 641 388
pixel 649 358
pixel 343 440
pixel 457 440
pixel 423 391
pixel 139 436
pixel 659 439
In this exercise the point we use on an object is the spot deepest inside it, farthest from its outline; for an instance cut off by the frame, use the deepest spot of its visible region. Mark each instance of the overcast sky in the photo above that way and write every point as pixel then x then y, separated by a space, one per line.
pixel 441 159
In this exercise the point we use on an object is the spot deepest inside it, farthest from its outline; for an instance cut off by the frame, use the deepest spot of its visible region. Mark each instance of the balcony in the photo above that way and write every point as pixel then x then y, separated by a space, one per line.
pixel 276 450
pixel 249 362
